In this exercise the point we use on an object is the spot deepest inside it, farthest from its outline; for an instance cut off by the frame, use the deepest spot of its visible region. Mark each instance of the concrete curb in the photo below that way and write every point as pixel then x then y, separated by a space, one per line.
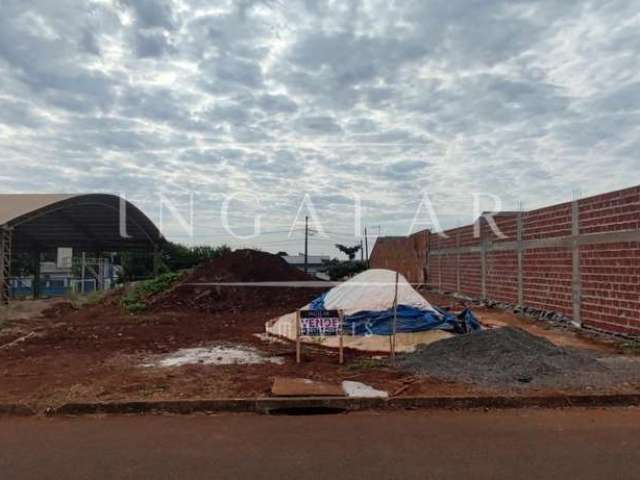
pixel 308 405
pixel 16 410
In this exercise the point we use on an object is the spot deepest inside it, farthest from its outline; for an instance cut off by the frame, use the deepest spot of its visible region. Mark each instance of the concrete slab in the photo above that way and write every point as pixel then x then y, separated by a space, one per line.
pixel 303 387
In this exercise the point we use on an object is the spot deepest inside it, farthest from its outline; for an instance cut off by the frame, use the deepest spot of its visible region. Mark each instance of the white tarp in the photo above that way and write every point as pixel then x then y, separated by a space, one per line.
pixel 373 290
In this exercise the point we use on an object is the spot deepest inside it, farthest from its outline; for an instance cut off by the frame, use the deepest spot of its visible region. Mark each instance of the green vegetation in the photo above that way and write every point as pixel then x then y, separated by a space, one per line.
pixel 631 347
pixel 135 300
pixel 173 258
pixel 367 363
pixel 176 257
pixel 338 270
pixel 78 299
pixel 349 251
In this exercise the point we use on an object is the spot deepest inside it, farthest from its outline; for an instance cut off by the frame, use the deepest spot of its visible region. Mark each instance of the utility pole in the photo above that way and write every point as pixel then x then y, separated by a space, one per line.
pixel 306 244
pixel 361 252
pixel 366 244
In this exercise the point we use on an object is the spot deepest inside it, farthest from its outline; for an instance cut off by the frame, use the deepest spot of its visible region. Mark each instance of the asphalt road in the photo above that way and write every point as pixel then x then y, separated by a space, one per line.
pixel 526 444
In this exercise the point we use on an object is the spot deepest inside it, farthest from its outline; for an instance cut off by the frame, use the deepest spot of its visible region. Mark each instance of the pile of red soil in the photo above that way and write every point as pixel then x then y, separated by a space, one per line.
pixel 237 267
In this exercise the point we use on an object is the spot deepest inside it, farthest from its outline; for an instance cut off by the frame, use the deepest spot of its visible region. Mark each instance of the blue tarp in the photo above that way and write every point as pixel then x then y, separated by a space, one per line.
pixel 409 319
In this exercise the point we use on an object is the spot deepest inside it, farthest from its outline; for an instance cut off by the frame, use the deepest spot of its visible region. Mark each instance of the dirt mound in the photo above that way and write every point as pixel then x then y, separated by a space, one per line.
pixel 238 267
pixel 502 357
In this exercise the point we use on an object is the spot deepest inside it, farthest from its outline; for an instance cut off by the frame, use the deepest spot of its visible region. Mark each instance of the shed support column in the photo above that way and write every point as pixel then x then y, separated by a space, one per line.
pixel 576 280
pixel 156 260
pixel 36 275
pixel 99 271
pixel 5 264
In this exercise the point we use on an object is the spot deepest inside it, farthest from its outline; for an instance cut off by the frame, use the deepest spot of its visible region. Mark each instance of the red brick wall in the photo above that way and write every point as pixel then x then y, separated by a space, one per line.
pixel 502 276
pixel 547 275
pixel 407 255
pixel 609 273
pixel 610 292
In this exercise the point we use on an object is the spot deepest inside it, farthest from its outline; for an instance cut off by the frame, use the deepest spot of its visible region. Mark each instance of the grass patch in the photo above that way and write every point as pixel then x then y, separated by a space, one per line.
pixel 367 364
pixel 135 301
pixel 79 300
pixel 631 347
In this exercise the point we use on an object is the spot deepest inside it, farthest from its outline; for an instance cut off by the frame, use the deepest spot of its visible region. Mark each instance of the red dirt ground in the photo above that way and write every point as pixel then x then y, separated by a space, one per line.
pixel 95 353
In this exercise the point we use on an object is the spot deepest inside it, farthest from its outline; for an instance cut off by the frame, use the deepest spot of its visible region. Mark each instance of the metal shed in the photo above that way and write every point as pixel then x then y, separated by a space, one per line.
pixel 33 223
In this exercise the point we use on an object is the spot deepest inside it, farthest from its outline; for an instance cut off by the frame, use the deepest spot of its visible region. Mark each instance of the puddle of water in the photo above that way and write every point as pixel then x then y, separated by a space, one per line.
pixel 215 355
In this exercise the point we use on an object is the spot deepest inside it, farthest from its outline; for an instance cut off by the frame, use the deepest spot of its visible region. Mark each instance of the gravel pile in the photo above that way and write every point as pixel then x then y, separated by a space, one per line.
pixel 507 357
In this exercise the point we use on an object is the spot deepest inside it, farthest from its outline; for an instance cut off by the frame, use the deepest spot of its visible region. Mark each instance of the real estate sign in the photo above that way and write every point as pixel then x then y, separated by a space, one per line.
pixel 318 323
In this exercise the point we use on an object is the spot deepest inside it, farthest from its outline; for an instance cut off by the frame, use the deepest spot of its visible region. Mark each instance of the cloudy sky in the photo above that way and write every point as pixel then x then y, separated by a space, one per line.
pixel 191 102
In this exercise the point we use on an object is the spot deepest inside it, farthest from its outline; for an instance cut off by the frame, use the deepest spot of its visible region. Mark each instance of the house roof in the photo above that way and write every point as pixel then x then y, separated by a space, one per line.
pixel 299 259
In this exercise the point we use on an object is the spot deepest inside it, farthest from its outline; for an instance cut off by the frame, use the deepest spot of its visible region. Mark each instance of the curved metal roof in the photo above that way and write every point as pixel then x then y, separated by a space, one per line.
pixel 91 222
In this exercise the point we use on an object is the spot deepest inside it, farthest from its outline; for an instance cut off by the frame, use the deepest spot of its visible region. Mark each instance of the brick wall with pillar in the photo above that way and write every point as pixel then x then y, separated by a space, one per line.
pixel 580 259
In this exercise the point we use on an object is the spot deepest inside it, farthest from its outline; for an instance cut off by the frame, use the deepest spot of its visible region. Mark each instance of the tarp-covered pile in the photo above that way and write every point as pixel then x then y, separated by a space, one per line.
pixel 368 304
pixel 368 301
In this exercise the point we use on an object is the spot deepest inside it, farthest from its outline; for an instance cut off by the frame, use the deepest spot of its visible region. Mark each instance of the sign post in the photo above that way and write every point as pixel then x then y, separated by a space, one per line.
pixel 319 323
pixel 298 352
pixel 395 320
pixel 341 316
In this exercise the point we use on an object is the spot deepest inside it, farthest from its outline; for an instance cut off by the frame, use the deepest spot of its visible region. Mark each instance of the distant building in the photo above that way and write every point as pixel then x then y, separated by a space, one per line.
pixel 58 275
pixel 315 263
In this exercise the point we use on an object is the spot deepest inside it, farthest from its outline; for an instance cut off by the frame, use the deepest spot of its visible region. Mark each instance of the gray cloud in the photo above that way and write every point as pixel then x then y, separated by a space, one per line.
pixel 151 43
pixel 319 125
pixel 528 100
pixel 152 13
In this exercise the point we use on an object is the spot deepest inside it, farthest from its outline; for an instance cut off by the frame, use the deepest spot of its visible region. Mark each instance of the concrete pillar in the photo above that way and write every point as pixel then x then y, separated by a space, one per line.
pixel 576 277
pixel 520 249
pixel 483 262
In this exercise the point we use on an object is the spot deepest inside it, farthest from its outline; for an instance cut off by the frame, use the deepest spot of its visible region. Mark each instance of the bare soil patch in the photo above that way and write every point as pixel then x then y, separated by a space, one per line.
pixel 97 353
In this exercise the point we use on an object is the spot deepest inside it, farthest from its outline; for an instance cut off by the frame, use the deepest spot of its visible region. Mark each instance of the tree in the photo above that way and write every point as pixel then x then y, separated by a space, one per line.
pixel 180 257
pixel 338 270
pixel 349 251
pixel 174 258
